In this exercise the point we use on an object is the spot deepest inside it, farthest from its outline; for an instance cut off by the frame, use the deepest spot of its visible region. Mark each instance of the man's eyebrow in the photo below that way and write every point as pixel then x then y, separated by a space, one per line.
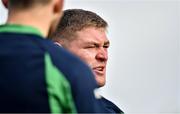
pixel 91 42
pixel 97 43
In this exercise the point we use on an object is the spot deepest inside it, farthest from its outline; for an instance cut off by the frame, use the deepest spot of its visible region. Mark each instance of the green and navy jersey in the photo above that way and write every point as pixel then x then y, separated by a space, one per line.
pixel 38 76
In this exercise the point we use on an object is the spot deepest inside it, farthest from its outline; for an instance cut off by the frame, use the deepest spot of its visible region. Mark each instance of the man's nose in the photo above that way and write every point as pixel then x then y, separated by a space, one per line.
pixel 102 55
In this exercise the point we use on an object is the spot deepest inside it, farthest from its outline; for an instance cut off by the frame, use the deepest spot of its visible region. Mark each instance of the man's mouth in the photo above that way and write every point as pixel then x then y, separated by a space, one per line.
pixel 99 70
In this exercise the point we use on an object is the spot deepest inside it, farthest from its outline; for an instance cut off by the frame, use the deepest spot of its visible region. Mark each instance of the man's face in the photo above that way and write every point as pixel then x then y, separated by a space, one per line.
pixel 91 45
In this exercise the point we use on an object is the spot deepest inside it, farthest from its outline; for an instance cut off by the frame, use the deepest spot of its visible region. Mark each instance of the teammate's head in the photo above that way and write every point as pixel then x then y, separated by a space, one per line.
pixel 24 4
pixel 50 10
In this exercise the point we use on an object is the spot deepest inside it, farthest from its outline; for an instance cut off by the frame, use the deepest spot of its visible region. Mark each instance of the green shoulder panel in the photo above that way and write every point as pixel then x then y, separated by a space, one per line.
pixel 15 28
pixel 59 90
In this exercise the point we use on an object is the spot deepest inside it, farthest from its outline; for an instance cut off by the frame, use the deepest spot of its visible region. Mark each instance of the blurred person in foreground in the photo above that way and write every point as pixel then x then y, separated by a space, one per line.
pixel 36 75
pixel 84 34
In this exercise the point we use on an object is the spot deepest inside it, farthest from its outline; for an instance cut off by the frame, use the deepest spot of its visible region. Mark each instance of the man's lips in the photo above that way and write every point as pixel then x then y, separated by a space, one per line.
pixel 99 70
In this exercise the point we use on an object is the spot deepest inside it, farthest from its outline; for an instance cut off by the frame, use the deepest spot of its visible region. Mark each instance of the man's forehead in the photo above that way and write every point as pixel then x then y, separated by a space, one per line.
pixel 93 41
pixel 92 34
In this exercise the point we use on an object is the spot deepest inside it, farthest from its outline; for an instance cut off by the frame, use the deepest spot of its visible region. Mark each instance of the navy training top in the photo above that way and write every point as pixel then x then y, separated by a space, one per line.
pixel 38 76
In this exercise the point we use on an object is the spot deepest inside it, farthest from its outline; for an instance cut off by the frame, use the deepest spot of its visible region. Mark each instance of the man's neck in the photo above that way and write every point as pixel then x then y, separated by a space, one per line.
pixel 32 18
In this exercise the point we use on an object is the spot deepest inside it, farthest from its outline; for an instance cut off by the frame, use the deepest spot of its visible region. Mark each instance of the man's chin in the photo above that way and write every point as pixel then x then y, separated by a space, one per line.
pixel 99 86
pixel 100 83
pixel 100 78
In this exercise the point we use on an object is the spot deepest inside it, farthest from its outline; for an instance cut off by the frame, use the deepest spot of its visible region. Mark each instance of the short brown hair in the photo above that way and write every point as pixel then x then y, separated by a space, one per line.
pixel 26 3
pixel 75 20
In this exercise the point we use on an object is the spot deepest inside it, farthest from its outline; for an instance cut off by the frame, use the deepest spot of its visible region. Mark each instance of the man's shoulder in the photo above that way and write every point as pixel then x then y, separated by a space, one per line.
pixel 110 106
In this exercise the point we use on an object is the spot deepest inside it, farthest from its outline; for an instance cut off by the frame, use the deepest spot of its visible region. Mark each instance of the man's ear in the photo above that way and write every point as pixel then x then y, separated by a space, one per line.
pixel 5 3
pixel 58 7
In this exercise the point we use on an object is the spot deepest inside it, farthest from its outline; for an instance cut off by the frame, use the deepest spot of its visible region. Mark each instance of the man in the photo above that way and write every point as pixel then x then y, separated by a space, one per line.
pixel 84 34
pixel 35 75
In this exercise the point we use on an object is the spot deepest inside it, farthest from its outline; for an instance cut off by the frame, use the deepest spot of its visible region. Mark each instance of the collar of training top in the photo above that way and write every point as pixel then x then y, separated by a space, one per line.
pixel 15 28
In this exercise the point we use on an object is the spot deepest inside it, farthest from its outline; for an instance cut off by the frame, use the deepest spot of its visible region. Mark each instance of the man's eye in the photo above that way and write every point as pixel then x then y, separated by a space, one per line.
pixel 106 46
pixel 90 46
